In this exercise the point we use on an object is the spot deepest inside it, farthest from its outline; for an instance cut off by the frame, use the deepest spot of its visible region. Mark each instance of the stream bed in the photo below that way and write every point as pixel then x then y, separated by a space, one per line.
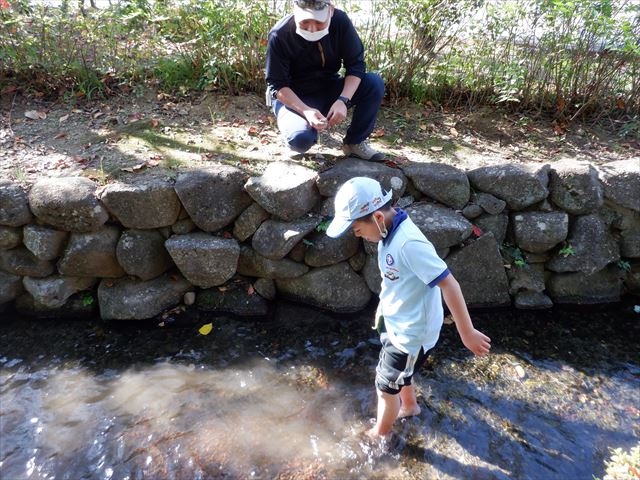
pixel 288 398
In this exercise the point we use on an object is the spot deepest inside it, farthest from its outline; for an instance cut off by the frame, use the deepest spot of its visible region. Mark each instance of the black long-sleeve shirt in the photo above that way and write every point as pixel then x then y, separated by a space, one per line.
pixel 305 66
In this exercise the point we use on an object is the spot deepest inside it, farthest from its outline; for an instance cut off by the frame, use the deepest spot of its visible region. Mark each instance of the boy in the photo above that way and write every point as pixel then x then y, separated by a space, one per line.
pixel 414 281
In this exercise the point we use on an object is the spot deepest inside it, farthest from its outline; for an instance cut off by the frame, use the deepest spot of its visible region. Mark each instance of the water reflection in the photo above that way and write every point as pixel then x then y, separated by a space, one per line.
pixel 289 398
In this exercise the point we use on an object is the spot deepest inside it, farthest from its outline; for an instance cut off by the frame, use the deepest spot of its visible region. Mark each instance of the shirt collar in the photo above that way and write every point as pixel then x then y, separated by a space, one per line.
pixel 398 218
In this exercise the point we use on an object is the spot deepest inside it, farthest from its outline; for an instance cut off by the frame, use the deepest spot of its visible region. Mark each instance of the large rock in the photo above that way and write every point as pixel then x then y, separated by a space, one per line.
pixel 14 205
pixel 235 298
pixel 68 204
pixel 204 260
pixel 631 279
pixel 444 183
pixel 371 274
pixel 10 237
pixel 495 224
pixel 213 197
pixel 141 253
pixel 249 221
pixel 593 246
pixel 603 286
pixel 53 292
pixel 92 255
pixel 78 306
pixel 252 264
pixel 336 288
pixel 331 180
pixel 147 203
pixel 479 269
pixel 630 243
pixel 538 232
pixel 45 243
pixel 285 190
pixel 526 278
pixel 575 187
pixel 129 299
pixel 10 287
pixel 621 182
pixel 519 185
pixel 489 203
pixel 274 239
pixel 443 226
pixel 323 250
pixel 528 300
pixel 21 261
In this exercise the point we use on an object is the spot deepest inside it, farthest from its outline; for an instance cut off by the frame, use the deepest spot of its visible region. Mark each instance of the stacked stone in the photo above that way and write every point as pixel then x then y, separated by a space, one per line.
pixel 529 235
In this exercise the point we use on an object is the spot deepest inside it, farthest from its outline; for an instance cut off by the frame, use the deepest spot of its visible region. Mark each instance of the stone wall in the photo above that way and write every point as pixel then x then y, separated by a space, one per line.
pixel 513 234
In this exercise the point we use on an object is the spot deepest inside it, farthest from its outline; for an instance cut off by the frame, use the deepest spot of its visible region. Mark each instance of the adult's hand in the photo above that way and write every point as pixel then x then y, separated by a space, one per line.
pixel 316 119
pixel 337 113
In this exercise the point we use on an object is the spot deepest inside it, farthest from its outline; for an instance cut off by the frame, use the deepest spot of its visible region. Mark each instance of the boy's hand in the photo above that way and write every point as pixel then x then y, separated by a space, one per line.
pixel 476 341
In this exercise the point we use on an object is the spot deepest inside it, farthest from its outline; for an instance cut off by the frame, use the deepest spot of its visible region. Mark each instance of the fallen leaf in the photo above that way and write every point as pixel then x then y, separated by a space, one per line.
pixel 63 118
pixel 206 329
pixel 9 88
pixel 155 123
pixel 378 133
pixel 391 163
pixel 435 149
pixel 251 290
pixel 253 131
pixel 35 115
pixel 476 230
pixel 60 135
pixel 135 168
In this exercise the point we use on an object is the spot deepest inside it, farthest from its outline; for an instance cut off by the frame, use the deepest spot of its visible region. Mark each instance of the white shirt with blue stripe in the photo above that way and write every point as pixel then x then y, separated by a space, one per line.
pixel 410 300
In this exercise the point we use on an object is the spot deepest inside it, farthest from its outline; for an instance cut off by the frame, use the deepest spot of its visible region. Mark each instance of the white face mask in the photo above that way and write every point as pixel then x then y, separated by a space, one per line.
pixel 313 36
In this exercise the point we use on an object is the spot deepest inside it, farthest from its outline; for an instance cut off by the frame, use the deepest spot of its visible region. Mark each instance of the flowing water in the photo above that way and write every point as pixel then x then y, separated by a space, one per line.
pixel 289 398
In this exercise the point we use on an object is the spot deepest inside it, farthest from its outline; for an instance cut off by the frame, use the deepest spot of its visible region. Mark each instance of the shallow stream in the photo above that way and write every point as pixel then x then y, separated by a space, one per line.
pixel 288 398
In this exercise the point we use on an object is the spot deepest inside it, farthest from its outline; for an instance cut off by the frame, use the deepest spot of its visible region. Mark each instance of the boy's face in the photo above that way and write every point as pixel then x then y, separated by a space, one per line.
pixel 367 228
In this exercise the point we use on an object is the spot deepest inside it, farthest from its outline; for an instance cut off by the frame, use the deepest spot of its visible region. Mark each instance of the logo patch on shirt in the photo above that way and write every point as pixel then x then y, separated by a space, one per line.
pixel 389 259
pixel 391 275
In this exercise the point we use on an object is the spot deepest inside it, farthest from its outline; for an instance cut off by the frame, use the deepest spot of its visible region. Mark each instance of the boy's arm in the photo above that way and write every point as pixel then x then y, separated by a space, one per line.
pixel 473 339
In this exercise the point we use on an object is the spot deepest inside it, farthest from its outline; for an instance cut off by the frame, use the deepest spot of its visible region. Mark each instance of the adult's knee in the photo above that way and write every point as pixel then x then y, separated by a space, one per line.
pixel 374 84
pixel 302 141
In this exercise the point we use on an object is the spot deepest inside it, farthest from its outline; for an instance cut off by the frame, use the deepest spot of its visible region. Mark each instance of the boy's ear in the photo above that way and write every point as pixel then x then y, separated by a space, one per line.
pixel 378 216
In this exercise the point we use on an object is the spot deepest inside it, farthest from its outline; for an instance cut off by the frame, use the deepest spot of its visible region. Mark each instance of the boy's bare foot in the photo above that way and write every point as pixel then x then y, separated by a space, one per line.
pixel 382 444
pixel 372 434
pixel 409 412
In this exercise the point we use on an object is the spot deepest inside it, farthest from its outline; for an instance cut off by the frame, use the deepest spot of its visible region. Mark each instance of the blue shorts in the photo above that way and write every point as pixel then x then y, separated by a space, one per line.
pixel 395 368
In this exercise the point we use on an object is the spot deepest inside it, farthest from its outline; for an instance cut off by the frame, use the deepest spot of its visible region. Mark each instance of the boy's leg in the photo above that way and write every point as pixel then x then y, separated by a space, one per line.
pixel 388 408
pixel 409 402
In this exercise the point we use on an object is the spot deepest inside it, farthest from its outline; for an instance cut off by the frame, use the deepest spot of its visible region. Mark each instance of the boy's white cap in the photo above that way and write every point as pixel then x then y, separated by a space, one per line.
pixel 355 199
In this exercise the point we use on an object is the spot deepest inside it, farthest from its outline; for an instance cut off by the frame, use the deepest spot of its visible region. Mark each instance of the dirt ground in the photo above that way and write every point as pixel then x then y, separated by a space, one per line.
pixel 131 135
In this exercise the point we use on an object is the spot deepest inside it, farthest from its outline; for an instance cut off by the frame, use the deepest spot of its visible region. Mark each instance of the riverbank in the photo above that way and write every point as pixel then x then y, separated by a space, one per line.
pixel 153 133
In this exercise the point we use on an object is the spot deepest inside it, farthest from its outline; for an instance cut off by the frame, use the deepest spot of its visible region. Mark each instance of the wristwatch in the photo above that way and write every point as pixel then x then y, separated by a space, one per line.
pixel 345 100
